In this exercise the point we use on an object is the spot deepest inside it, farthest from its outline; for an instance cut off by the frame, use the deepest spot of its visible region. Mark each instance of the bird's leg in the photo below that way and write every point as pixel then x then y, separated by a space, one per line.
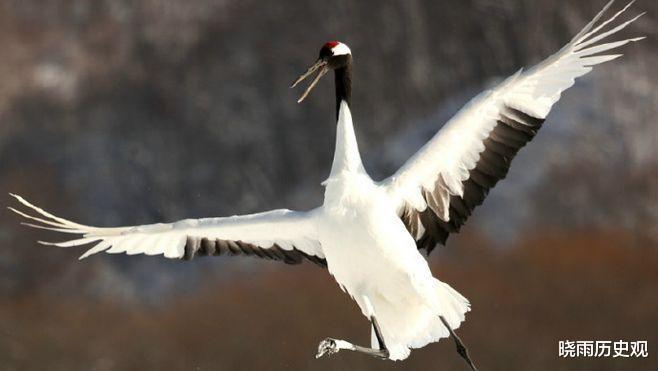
pixel 461 349
pixel 330 346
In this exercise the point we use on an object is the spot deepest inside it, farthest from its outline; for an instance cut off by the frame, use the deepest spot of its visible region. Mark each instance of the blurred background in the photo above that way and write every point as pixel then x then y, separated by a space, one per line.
pixel 121 112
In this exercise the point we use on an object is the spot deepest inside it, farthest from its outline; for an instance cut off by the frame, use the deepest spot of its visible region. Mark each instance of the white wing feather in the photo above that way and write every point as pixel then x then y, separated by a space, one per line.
pixel 287 229
pixel 445 161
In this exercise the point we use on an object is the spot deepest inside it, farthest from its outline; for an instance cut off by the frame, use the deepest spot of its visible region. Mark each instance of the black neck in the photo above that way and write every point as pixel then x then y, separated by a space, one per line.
pixel 344 84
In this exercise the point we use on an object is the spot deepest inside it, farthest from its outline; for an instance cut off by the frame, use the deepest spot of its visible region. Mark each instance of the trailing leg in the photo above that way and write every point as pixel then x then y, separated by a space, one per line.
pixel 461 349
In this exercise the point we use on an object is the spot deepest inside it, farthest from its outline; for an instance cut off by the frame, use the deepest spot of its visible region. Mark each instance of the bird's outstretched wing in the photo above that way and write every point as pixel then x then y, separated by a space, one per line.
pixel 437 189
pixel 284 235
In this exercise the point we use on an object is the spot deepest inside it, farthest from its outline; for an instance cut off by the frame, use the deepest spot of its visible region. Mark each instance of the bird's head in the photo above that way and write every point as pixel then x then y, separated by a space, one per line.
pixel 333 55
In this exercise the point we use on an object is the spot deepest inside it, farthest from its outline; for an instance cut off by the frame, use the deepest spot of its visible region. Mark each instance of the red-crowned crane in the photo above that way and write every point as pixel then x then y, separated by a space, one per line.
pixel 367 233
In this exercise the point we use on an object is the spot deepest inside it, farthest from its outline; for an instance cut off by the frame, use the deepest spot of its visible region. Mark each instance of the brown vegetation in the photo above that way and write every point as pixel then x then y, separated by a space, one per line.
pixel 131 112
pixel 589 285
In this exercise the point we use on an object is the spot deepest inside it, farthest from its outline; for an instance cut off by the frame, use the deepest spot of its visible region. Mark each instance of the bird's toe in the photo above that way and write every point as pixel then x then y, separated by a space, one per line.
pixel 327 346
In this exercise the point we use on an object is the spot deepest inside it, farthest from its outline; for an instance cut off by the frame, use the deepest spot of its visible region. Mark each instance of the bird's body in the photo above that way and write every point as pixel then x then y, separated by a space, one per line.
pixel 373 257
pixel 369 234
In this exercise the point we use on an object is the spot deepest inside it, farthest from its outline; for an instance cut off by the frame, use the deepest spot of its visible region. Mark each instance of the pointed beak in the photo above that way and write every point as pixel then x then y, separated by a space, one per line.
pixel 321 67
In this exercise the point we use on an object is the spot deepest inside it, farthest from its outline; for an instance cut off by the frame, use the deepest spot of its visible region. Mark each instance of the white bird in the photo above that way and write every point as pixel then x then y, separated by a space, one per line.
pixel 367 233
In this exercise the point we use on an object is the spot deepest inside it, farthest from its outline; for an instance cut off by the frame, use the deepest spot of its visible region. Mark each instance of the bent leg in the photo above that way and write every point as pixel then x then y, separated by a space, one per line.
pixel 331 346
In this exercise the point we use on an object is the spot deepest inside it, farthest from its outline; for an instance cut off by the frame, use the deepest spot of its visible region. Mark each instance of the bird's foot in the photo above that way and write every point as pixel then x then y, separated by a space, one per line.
pixel 327 346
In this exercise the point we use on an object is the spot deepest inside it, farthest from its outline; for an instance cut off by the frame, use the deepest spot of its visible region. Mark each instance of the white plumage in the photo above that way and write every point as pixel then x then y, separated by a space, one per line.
pixel 369 233
pixel 455 150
